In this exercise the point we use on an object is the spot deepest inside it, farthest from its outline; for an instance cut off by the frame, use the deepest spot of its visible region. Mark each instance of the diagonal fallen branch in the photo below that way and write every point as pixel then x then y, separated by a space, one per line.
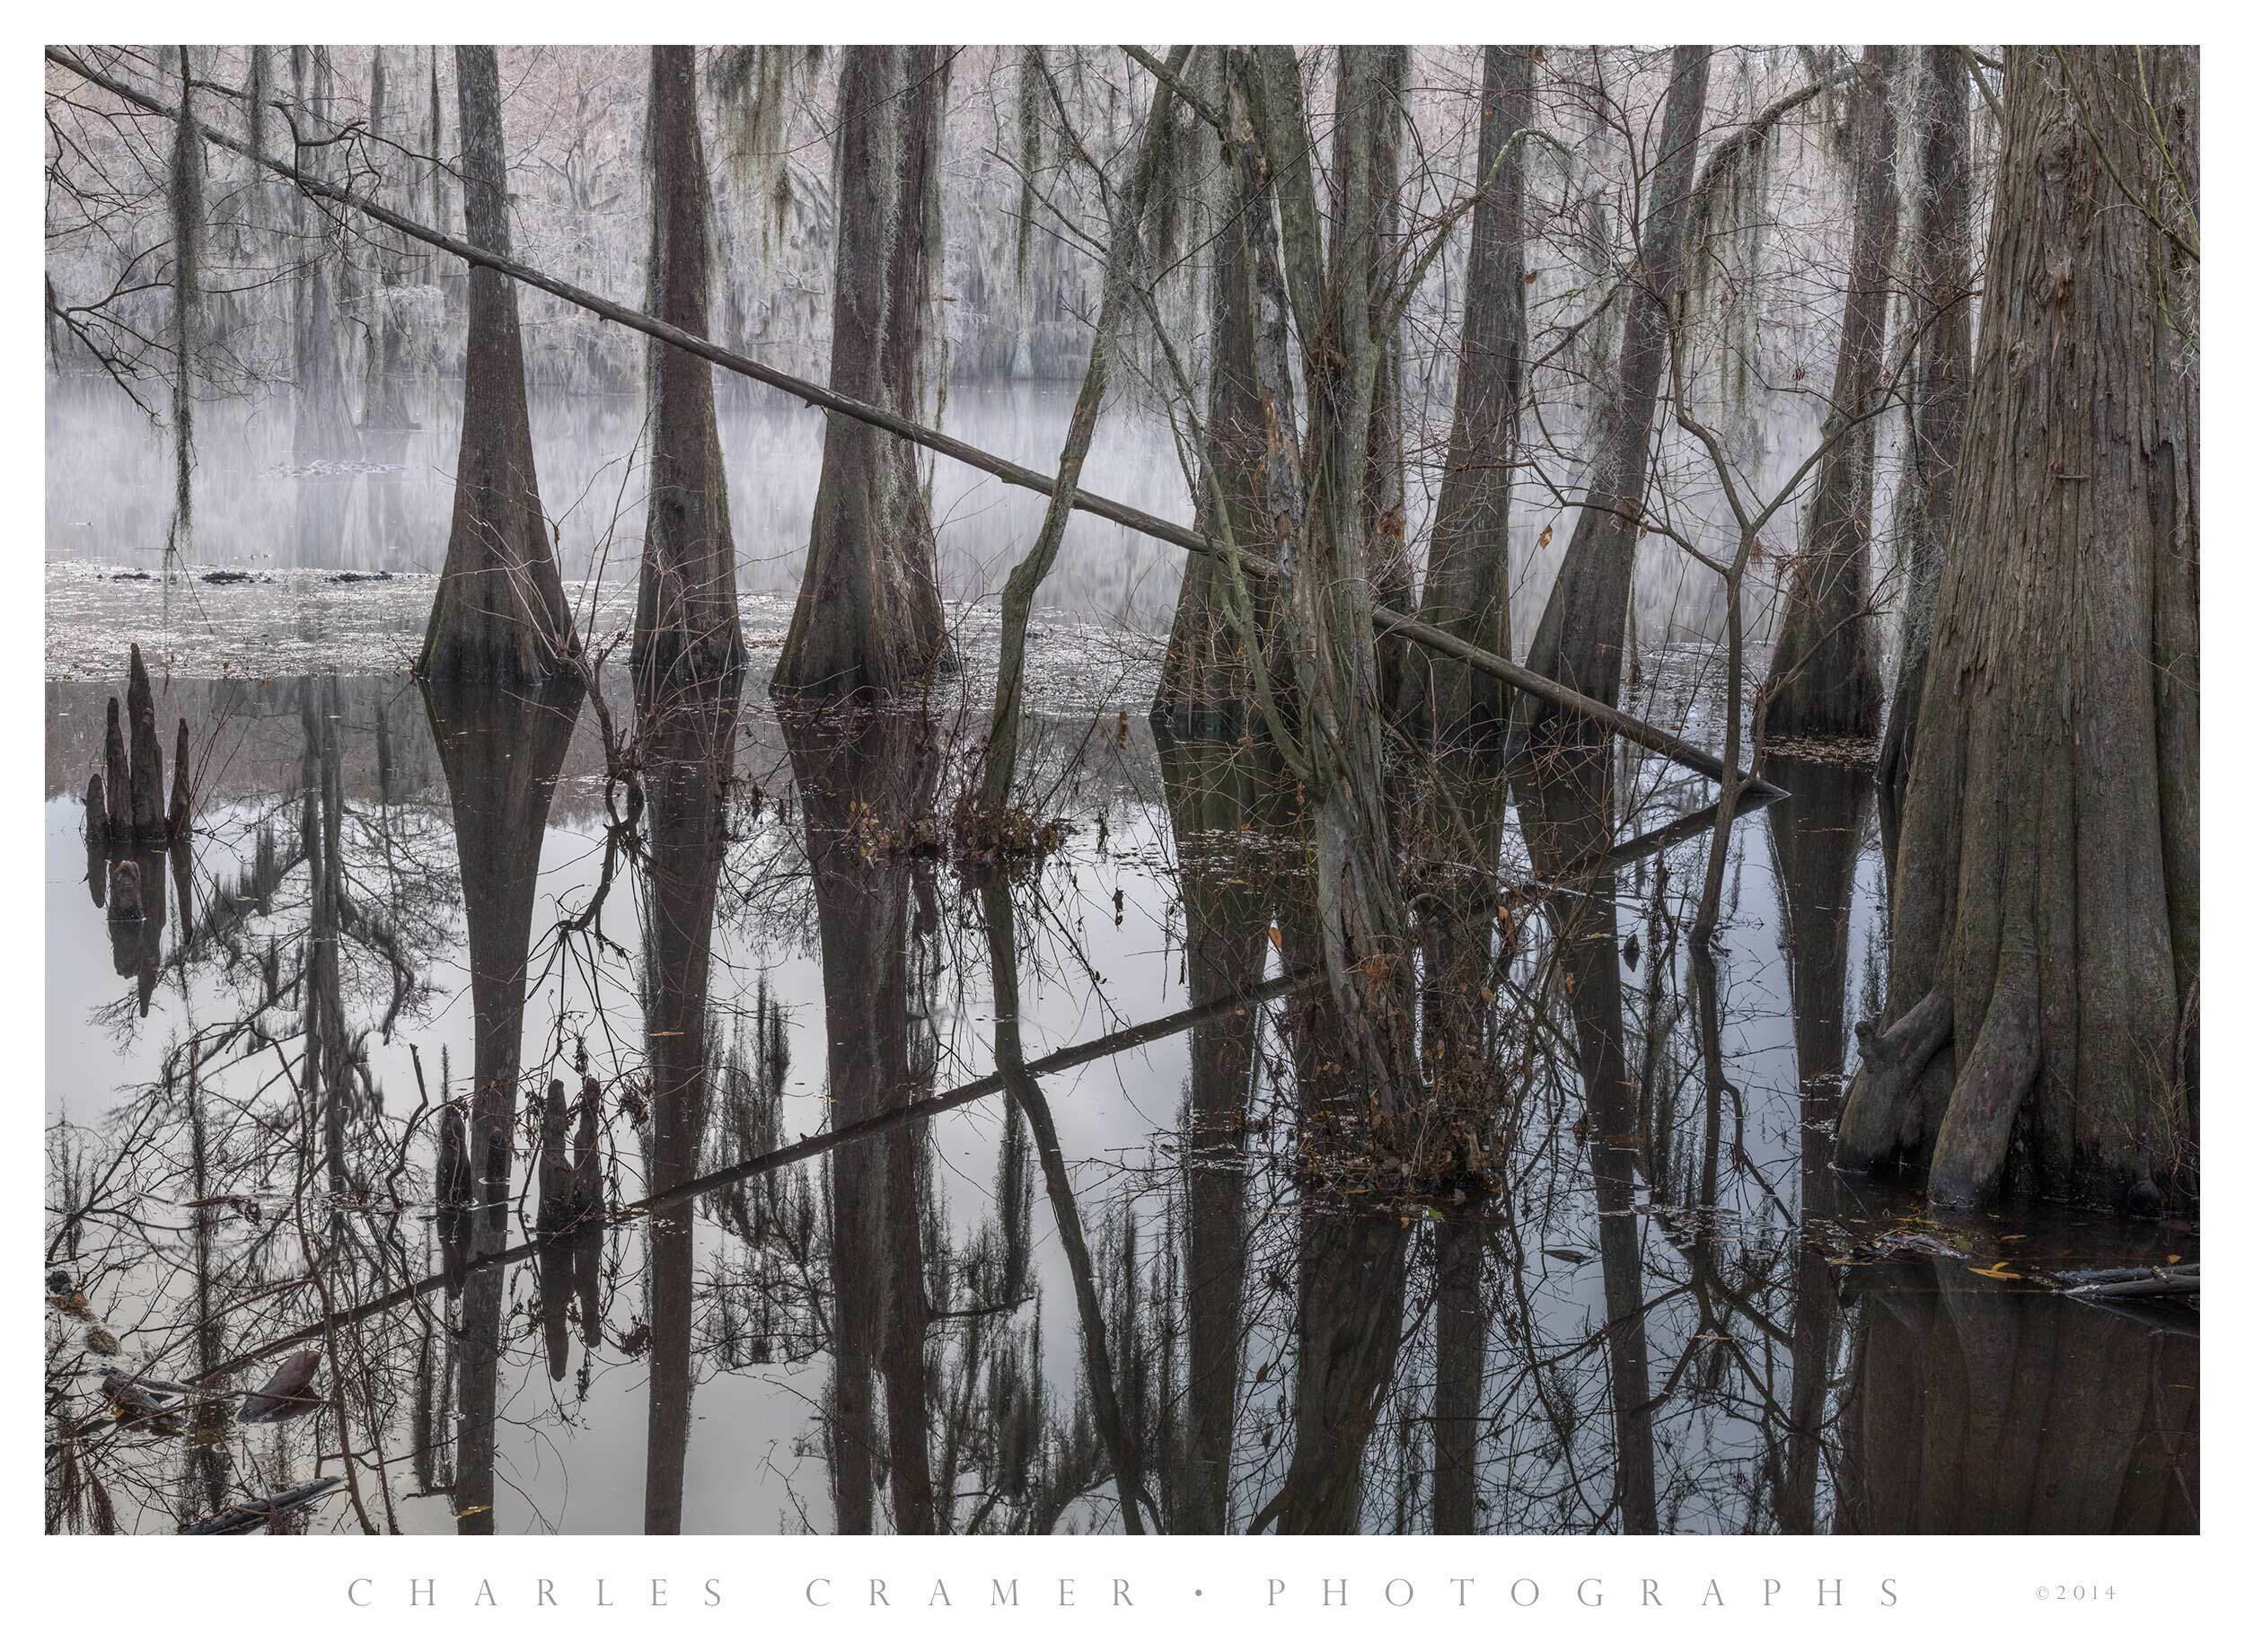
pixel 1594 711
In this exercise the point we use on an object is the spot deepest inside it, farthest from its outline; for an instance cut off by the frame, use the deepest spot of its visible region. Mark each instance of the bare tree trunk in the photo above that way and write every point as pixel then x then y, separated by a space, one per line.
pixel 688 621
pixel 500 614
pixel 1941 275
pixel 384 415
pixel 187 283
pixel 1118 286
pixel 868 616
pixel 1469 577
pixel 148 821
pixel 1384 71
pixel 116 767
pixel 1824 676
pixel 1207 688
pixel 1579 639
pixel 2042 1012
pixel 324 428
pixel 1316 507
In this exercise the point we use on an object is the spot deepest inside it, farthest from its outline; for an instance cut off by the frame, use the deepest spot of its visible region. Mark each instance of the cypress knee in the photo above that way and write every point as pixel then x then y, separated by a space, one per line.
pixel 183 806
pixel 147 749
pixel 118 774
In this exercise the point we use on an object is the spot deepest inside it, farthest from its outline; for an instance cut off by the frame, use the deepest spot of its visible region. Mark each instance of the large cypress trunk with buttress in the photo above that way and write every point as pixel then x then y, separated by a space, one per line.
pixel 500 614
pixel 688 622
pixel 2040 1034
pixel 868 616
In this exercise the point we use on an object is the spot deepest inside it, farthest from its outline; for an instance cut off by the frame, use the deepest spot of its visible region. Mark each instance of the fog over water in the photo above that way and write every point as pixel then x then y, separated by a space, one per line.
pixel 108 475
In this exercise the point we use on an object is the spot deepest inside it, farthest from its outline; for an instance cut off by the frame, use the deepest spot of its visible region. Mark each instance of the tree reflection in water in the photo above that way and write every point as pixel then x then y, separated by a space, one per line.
pixel 1189 1285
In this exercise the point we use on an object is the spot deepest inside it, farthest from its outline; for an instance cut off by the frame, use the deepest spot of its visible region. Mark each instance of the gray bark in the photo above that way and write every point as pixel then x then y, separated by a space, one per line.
pixel 500 614
pixel 1321 552
pixel 1941 276
pixel 1206 685
pixel 325 427
pixel 1824 676
pixel 186 282
pixel 868 616
pixel 689 621
pixel 2046 904
pixel 147 755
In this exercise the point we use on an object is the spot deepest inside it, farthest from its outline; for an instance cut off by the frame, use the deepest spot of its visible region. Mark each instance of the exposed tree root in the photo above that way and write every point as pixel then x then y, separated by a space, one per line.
pixel 1879 1121
pixel 1975 1131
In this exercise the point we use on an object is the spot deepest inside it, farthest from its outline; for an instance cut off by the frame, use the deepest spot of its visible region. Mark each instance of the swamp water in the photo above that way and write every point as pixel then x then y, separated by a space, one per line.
pixel 1614 1285
pixel 1635 1311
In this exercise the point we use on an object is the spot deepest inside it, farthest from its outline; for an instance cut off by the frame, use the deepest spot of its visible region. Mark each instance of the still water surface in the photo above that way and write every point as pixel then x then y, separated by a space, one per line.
pixel 1644 1313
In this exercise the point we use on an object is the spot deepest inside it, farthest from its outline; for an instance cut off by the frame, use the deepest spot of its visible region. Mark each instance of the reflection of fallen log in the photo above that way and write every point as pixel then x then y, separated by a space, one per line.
pixel 240 1517
pixel 1516 896
pixel 2121 1284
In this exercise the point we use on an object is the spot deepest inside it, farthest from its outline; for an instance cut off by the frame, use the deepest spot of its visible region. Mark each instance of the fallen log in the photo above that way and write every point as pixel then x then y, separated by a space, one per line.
pixel 2120 1284
pixel 1387 619
pixel 240 1517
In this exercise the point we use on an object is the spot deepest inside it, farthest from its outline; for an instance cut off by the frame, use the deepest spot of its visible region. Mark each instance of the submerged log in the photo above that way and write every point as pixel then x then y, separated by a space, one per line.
pixel 287 1392
pixel 2116 1284
pixel 241 1517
